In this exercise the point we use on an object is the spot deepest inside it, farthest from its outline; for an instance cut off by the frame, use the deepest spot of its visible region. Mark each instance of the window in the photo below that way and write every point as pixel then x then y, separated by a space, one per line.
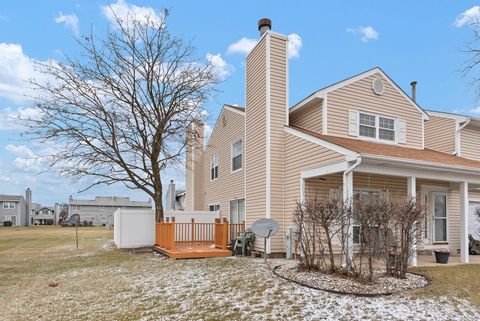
pixel 9 205
pixel 75 207
pixel 237 150
pixel 45 211
pixel 356 226
pixel 377 127
pixel 214 167
pixel 440 217
pixel 237 211
pixel 214 207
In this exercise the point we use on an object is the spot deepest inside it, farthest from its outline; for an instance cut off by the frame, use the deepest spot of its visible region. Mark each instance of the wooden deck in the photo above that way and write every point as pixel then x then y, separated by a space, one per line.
pixel 191 251
pixel 195 240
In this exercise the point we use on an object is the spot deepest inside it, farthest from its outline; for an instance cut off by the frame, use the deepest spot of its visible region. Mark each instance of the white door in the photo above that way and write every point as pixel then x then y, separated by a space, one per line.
pixel 474 220
pixel 13 219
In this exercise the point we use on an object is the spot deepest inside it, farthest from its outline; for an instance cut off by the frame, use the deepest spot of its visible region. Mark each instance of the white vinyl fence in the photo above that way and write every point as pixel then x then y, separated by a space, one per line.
pixel 136 228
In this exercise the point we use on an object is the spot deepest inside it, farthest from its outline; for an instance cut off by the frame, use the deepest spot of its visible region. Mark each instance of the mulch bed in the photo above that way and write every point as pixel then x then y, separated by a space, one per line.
pixel 340 284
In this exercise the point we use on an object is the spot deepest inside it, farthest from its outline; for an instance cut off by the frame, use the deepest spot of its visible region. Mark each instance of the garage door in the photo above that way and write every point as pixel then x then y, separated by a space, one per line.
pixel 473 223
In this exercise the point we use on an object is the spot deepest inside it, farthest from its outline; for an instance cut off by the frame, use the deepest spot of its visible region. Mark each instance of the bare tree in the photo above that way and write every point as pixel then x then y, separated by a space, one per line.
pixel 120 111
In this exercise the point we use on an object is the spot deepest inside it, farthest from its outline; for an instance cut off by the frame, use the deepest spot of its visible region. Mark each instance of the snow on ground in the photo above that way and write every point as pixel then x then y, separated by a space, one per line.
pixel 149 287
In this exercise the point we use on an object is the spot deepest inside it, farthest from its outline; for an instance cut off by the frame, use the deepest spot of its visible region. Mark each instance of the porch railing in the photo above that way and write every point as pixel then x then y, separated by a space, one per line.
pixel 221 233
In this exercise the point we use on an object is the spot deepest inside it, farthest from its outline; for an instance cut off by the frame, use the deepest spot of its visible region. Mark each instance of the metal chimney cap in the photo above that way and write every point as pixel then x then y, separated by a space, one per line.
pixel 413 83
pixel 264 22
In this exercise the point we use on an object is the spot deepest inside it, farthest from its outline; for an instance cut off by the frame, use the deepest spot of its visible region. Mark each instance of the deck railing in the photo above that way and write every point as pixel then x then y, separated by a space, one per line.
pixel 220 233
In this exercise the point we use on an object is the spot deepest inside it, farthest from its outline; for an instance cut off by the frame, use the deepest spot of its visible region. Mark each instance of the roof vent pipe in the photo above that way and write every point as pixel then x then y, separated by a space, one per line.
pixel 414 90
pixel 264 25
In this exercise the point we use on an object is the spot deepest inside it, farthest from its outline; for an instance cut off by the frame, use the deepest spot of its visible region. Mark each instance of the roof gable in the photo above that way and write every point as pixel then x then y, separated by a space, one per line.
pixel 226 108
pixel 321 94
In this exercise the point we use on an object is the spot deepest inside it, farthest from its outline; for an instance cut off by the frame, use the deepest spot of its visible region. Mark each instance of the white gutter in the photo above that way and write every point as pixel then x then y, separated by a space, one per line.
pixel 457 136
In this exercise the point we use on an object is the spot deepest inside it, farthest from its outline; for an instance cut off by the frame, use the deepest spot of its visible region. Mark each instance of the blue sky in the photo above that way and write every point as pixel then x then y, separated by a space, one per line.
pixel 409 40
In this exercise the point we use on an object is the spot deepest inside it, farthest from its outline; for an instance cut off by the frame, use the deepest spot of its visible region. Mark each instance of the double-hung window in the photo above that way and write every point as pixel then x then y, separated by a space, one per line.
pixel 214 207
pixel 357 228
pixel 214 167
pixel 376 127
pixel 9 205
pixel 237 151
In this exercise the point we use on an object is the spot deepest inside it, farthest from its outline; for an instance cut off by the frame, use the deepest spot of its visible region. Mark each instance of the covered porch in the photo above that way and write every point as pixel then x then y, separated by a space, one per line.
pixel 446 194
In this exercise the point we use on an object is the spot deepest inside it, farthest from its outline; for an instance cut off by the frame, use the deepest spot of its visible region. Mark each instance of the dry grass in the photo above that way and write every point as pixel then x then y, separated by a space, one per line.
pixel 43 277
pixel 462 281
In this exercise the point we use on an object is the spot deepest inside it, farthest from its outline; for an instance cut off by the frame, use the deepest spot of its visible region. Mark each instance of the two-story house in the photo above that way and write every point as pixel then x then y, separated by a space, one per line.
pixel 43 215
pixel 100 211
pixel 363 134
pixel 13 208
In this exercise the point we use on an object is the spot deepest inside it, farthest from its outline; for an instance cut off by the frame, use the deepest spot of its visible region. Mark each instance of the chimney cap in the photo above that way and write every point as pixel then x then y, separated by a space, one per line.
pixel 413 83
pixel 264 22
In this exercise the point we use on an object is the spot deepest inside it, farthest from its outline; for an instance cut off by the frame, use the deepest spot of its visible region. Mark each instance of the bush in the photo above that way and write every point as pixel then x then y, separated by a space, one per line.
pixel 7 223
pixel 386 226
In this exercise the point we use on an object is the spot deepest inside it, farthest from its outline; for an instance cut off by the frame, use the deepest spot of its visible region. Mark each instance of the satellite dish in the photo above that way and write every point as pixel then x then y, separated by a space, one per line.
pixel 265 227
pixel 74 219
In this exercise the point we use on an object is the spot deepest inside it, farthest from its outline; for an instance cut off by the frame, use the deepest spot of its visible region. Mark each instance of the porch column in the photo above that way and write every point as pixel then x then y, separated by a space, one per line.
pixel 302 190
pixel 464 204
pixel 347 198
pixel 412 192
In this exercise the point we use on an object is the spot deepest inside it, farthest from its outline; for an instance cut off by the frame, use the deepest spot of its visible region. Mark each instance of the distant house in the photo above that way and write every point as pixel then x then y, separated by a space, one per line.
pixel 42 215
pixel 100 210
pixel 175 199
pixel 14 208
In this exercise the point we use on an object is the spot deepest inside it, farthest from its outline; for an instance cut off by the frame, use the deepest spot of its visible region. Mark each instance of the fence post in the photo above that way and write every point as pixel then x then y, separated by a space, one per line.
pixel 225 234
pixel 172 234
pixel 193 230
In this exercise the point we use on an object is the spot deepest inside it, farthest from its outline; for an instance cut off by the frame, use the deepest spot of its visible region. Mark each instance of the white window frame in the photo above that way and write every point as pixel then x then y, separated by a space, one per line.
pixel 435 218
pixel 214 204
pixel 372 190
pixel 231 156
pixel 9 218
pixel 212 163
pixel 229 209
pixel 377 128
pixel 9 207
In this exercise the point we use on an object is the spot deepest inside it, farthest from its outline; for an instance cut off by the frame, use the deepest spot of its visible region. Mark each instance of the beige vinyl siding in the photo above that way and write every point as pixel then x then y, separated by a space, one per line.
pixel 301 155
pixel 228 186
pixel 308 117
pixel 440 134
pixel 255 161
pixel 194 171
pixel 470 142
pixel 359 96
pixel 278 114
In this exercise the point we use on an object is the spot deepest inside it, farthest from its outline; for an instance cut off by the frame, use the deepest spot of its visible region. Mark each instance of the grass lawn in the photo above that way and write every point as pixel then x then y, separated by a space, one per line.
pixel 43 277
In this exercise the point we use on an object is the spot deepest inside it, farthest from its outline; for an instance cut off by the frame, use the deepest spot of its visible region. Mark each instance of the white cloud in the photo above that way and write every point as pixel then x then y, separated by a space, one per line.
pixel 10 119
pixel 221 69
pixel 366 33
pixel 294 45
pixel 245 45
pixel 125 12
pixel 475 110
pixel 242 46
pixel 70 21
pixel 16 69
pixel 20 150
pixel 468 17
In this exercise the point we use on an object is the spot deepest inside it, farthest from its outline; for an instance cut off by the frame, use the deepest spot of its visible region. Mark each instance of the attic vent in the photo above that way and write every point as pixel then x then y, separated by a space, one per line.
pixel 378 86
pixel 224 121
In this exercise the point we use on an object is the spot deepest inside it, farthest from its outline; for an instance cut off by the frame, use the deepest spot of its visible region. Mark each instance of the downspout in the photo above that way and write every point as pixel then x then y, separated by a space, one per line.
pixel 457 136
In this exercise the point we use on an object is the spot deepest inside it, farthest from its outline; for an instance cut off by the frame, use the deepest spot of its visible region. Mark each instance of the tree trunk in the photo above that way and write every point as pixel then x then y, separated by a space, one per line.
pixel 158 203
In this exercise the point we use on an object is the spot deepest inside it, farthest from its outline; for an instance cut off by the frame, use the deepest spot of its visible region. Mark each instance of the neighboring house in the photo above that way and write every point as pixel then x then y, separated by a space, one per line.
pixel 13 208
pixel 362 135
pixel 43 215
pixel 100 210
pixel 175 199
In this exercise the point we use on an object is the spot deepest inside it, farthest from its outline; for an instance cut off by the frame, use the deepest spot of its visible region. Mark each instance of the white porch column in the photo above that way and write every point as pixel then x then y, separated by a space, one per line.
pixel 347 197
pixel 302 190
pixel 464 204
pixel 412 192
